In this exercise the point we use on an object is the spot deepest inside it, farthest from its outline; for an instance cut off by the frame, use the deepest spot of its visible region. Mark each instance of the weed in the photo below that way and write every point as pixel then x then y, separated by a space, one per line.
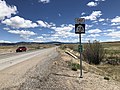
pixel 74 66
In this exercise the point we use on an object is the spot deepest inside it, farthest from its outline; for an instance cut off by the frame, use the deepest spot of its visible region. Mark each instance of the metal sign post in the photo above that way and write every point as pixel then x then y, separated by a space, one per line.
pixel 80 57
pixel 80 28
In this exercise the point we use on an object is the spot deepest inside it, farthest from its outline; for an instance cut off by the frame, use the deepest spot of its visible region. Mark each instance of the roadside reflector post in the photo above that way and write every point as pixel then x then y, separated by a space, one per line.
pixel 79 29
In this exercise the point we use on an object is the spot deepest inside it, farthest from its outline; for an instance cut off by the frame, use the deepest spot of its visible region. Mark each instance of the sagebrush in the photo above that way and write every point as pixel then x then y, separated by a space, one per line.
pixel 93 52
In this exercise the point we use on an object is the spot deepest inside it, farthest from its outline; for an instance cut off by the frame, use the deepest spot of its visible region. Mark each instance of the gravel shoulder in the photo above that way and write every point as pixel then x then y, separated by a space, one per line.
pixel 54 74
pixel 60 77
pixel 11 78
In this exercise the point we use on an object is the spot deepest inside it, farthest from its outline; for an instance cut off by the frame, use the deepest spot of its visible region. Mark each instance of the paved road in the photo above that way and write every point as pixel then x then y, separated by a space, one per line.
pixel 12 59
pixel 14 70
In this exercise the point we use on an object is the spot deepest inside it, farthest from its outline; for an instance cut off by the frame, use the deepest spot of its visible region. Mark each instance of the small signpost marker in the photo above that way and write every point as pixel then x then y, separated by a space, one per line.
pixel 79 29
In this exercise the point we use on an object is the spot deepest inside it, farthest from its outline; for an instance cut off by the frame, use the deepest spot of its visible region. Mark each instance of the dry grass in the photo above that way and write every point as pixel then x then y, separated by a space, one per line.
pixel 7 49
pixel 12 48
pixel 112 70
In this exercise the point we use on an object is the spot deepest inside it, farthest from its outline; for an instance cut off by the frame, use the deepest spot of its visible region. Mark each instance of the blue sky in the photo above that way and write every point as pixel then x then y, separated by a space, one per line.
pixel 54 20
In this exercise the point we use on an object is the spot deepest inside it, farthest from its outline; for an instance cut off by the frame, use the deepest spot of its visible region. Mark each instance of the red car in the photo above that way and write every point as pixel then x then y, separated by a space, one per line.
pixel 21 49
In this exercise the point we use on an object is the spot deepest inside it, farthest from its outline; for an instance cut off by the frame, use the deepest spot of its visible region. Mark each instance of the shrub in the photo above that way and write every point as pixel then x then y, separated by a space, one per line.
pixel 93 52
pixel 113 59
pixel 63 46
pixel 37 47
pixel 71 46
pixel 74 66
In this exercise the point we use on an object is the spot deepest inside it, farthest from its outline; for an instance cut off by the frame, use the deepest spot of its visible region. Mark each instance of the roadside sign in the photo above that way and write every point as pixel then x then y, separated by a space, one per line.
pixel 79 20
pixel 80 48
pixel 79 28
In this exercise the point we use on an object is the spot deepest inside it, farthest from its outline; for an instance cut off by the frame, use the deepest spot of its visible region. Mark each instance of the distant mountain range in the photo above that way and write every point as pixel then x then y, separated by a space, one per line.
pixel 54 42
pixel 24 43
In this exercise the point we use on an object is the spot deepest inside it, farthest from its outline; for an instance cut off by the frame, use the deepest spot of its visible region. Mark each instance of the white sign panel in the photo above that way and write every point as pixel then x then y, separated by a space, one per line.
pixel 79 20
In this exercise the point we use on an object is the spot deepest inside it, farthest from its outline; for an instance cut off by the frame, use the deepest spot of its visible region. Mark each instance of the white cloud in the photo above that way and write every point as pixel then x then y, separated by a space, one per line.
pixel 112 40
pixel 64 31
pixel 114 34
pixel 113 24
pixel 92 4
pixel 46 35
pixel 4 41
pixel 59 15
pixel 104 33
pixel 18 22
pixel 93 16
pixel 88 26
pixel 6 10
pixel 40 37
pixel 61 33
pixel 95 22
pixel 64 27
pixel 105 24
pixel 55 38
pixel 93 35
pixel 6 29
pixel 118 27
pixel 95 31
pixel 116 19
pixel 110 30
pixel 23 33
pixel 42 24
pixel 45 24
pixel 44 1
pixel 83 13
pixel 99 0
pixel 101 20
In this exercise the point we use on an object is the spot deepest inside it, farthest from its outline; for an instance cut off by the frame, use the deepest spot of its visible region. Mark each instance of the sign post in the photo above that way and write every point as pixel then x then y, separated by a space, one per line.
pixel 79 29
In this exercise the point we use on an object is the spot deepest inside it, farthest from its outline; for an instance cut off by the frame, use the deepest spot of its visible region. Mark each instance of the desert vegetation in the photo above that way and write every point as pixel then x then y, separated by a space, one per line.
pixel 74 66
pixel 105 56
pixel 12 48
pixel 96 52
pixel 93 52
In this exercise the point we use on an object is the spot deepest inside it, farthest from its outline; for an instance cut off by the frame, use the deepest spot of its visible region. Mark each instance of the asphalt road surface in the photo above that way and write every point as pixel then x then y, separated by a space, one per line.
pixel 12 59
pixel 13 67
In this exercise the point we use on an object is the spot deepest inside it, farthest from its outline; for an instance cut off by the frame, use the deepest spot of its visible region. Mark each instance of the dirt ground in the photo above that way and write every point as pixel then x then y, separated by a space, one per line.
pixel 61 77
